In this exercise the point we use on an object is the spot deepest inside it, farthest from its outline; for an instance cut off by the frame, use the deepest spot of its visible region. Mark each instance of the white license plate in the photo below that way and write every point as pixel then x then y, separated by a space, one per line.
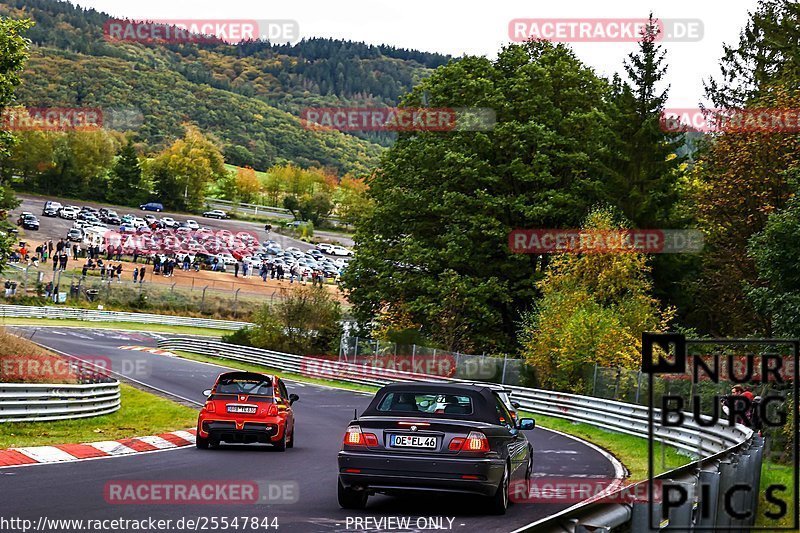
pixel 412 441
pixel 246 409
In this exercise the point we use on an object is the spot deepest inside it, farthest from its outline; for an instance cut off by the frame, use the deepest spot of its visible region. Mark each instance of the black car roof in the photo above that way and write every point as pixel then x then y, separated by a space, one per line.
pixel 483 399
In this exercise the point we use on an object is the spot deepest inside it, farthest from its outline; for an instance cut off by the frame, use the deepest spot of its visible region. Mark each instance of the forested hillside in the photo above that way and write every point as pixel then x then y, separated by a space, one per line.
pixel 247 95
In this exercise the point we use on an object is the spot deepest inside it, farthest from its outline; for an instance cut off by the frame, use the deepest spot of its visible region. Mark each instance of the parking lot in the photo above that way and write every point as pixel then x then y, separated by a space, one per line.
pixel 55 228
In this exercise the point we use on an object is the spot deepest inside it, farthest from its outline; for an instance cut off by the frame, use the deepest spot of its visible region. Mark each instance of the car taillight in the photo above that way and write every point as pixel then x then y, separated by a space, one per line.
pixel 210 407
pixel 476 442
pixel 273 410
pixel 355 437
pixel 456 444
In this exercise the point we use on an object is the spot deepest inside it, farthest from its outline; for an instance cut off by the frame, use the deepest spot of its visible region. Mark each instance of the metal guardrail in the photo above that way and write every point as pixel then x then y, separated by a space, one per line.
pixel 254 209
pixel 725 454
pixel 92 315
pixel 40 402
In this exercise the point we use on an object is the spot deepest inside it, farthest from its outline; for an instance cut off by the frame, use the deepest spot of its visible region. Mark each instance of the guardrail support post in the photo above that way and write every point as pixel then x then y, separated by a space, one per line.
pixel 680 518
pixel 708 498
pixel 727 473
pixel 758 455
pixel 640 516
pixel 741 499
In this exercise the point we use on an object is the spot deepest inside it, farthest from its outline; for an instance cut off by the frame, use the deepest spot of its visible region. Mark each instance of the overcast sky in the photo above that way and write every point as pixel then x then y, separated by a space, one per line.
pixel 471 27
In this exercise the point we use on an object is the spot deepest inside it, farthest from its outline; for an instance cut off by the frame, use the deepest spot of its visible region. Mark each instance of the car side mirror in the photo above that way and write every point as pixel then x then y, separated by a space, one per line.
pixel 526 424
pixel 207 392
pixel 293 398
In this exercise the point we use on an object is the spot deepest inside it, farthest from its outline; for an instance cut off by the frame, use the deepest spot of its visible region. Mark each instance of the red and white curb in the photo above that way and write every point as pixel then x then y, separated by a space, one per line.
pixel 156 351
pixel 63 453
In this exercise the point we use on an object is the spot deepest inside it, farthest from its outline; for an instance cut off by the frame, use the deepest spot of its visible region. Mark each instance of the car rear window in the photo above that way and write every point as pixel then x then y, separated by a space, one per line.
pixel 426 403
pixel 245 386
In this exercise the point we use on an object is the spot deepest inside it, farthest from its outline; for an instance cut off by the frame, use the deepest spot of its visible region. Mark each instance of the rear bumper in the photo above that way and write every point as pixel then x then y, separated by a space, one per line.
pixel 386 472
pixel 250 432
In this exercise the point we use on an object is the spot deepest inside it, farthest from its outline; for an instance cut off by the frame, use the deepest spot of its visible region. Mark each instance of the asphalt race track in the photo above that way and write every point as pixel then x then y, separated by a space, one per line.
pixel 76 490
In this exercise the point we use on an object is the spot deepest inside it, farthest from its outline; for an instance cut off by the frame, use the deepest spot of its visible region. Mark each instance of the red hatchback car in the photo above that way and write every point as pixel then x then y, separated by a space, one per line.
pixel 247 407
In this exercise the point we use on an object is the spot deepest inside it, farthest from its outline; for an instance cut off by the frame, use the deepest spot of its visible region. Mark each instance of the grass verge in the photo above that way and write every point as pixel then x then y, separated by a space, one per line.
pixel 130 326
pixel 775 474
pixel 630 450
pixel 141 414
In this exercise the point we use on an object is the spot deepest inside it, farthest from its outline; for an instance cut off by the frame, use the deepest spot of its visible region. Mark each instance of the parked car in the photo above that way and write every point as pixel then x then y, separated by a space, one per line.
pixel 324 246
pixel 75 235
pixel 70 212
pixel 28 221
pixel 247 407
pixel 192 224
pixel 168 222
pixel 110 216
pixel 51 209
pixel 216 213
pixel 226 258
pixel 340 250
pixel 152 206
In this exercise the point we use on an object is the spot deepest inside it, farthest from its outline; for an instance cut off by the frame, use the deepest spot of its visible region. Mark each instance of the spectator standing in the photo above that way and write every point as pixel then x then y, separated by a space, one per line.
pixel 141 275
pixel 102 272
pixel 236 269
pixel 135 274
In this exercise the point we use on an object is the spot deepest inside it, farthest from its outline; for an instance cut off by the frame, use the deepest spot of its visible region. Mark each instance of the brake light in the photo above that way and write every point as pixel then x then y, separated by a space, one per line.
pixel 210 407
pixel 476 442
pixel 355 437
pixel 273 410
pixel 456 444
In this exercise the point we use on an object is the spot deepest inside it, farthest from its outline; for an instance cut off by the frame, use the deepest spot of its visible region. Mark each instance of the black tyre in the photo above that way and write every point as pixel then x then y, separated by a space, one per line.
pixel 499 502
pixel 529 470
pixel 290 444
pixel 281 444
pixel 352 499
pixel 201 443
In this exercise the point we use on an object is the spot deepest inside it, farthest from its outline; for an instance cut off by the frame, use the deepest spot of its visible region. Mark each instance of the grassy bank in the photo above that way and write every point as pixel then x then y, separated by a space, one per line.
pixel 141 414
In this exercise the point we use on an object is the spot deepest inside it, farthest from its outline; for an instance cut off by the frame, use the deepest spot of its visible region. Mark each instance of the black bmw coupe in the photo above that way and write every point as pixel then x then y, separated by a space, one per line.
pixel 434 437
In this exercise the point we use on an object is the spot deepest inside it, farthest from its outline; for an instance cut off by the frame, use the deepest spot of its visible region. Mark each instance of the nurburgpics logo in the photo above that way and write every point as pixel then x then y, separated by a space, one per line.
pixel 721 400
